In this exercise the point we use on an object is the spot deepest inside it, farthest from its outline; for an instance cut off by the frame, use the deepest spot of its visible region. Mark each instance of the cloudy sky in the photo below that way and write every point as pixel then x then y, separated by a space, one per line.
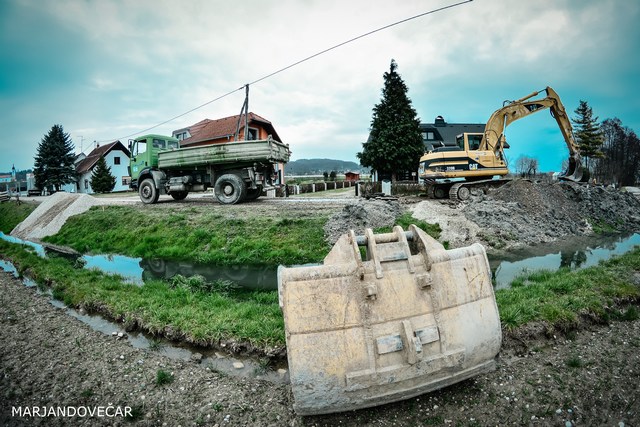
pixel 108 70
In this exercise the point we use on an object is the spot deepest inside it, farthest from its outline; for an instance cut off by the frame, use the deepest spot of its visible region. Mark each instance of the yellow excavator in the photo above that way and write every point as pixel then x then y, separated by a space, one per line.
pixel 476 158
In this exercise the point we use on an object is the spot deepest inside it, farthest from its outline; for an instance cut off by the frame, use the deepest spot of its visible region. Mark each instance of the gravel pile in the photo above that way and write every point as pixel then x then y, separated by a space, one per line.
pixel 529 213
pixel 360 215
pixel 50 215
pixel 524 213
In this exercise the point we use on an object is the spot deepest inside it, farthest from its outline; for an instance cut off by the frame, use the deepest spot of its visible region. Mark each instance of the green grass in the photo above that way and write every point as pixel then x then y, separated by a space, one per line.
pixel 202 237
pixel 199 313
pixel 164 377
pixel 561 297
pixel 11 214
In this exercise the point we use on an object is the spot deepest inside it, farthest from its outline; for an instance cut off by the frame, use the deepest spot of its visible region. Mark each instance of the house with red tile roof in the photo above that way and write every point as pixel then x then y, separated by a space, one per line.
pixel 227 129
pixel 115 154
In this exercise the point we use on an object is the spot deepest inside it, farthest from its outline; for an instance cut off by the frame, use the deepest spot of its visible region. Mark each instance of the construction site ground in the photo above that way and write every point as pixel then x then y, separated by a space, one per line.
pixel 586 377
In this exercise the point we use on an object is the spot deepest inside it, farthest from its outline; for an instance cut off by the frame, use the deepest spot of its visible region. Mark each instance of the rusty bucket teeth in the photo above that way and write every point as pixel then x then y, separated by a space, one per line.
pixel 386 317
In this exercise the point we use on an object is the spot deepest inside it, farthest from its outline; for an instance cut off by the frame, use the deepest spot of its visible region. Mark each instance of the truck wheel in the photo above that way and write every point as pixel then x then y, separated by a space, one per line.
pixel 179 195
pixel 148 192
pixel 253 194
pixel 230 189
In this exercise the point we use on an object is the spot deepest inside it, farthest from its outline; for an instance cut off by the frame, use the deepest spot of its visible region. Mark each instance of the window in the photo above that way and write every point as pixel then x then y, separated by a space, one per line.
pixel 141 147
pixel 474 141
pixel 126 180
pixel 158 143
pixel 253 134
pixel 116 160
pixel 86 184
pixel 428 136
pixel 181 136
pixel 172 145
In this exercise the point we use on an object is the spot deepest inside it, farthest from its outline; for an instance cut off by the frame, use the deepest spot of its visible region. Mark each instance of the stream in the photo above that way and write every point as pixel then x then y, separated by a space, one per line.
pixel 578 253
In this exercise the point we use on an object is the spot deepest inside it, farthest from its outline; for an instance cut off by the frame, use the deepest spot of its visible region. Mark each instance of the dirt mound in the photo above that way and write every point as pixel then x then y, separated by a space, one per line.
pixel 50 215
pixel 360 215
pixel 524 212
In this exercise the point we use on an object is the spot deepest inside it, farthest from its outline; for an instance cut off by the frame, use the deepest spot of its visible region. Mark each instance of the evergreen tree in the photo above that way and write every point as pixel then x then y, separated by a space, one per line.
pixel 588 135
pixel 102 181
pixel 395 142
pixel 53 166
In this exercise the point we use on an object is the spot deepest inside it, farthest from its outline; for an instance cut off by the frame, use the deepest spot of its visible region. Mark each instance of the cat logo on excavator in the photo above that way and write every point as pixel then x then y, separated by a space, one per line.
pixel 409 318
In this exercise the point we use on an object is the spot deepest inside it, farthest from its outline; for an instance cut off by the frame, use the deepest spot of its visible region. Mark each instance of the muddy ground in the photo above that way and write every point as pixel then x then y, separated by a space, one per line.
pixel 49 360
pixel 586 377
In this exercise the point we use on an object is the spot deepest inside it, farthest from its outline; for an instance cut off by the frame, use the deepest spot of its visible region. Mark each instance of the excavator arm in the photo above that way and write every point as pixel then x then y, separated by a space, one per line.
pixel 494 139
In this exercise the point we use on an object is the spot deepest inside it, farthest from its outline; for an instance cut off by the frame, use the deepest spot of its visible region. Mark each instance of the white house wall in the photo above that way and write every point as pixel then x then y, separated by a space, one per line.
pixel 119 171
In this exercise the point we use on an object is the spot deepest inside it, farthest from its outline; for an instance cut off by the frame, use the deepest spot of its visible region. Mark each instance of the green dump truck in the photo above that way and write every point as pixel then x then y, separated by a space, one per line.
pixel 237 171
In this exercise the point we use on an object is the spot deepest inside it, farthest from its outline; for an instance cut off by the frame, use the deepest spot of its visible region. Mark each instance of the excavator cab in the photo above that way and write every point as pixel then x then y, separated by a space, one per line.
pixel 386 317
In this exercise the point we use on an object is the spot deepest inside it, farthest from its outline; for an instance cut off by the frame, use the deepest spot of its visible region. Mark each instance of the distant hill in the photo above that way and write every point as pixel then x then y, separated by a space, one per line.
pixel 319 166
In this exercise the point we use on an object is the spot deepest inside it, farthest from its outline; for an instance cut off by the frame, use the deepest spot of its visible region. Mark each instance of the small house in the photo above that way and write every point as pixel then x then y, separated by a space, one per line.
pixel 351 176
pixel 115 154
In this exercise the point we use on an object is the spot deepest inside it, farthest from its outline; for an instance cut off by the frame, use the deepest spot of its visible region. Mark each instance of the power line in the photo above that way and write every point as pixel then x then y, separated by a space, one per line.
pixel 298 63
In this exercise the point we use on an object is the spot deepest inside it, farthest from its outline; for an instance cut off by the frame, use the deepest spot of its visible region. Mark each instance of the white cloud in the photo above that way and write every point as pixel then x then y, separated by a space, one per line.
pixel 138 63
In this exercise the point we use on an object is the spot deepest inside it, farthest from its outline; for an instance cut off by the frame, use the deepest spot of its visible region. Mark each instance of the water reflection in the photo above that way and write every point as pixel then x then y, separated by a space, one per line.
pixel 245 276
pixel 578 253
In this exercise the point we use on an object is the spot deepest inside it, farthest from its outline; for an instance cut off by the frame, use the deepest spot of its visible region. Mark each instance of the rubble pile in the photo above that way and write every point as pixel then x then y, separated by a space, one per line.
pixel 524 212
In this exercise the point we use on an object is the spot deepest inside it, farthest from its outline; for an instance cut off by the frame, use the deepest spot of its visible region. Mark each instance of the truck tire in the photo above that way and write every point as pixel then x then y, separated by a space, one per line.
pixel 148 192
pixel 253 194
pixel 179 195
pixel 230 189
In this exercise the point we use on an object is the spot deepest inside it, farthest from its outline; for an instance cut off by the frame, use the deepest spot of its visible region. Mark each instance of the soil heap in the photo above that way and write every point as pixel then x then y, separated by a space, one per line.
pixel 523 213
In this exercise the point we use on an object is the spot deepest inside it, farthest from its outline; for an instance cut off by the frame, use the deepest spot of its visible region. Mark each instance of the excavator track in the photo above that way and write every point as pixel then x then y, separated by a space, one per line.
pixel 462 190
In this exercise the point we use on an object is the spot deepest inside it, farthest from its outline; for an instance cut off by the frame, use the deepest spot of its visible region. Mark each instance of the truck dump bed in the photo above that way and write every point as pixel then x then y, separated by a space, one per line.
pixel 265 150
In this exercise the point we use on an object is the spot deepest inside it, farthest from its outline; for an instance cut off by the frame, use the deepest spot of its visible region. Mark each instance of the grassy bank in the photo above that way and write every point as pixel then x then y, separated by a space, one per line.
pixel 197 312
pixel 204 313
pixel 189 310
pixel 11 214
pixel 195 234
pixel 560 298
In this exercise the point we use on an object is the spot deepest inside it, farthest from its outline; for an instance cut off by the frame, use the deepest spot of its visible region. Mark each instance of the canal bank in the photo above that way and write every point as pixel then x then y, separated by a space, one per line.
pixel 589 377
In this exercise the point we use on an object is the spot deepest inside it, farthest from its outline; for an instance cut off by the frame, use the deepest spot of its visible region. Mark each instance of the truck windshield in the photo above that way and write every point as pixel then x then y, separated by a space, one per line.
pixel 140 148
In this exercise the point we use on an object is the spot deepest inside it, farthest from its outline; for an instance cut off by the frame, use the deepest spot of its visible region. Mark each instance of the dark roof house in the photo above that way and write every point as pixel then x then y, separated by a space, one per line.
pixel 441 133
pixel 208 131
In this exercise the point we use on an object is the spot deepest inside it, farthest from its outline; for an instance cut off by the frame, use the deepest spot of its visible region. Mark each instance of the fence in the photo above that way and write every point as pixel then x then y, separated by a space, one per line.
pixel 365 188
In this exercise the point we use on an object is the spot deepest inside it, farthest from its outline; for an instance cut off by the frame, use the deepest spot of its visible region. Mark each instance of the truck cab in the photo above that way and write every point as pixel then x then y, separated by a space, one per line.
pixel 144 153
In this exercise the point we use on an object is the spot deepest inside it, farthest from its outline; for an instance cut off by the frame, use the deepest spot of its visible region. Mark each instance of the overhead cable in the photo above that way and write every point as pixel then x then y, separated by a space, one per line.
pixel 298 63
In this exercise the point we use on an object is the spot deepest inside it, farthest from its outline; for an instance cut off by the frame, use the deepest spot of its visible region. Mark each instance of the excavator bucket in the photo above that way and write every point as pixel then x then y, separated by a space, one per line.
pixel 386 317
pixel 574 171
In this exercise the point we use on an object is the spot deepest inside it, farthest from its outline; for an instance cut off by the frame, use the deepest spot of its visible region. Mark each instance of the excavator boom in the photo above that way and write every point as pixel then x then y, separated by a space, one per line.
pixel 493 138
pixel 477 158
